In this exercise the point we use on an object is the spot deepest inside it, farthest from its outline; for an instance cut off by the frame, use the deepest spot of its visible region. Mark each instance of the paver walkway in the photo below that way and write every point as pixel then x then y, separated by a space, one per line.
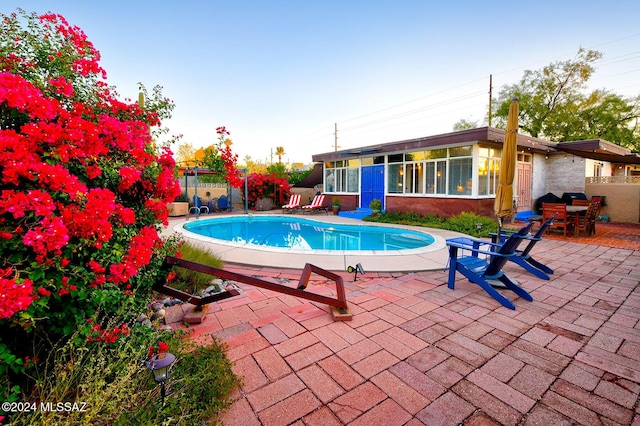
pixel 417 352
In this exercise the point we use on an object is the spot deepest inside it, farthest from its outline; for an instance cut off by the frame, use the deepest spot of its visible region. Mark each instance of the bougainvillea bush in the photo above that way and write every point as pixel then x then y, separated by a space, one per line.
pixel 84 188
pixel 269 186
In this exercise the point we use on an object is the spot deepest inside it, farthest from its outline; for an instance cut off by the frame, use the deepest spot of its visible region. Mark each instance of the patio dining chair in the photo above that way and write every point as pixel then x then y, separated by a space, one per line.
pixel 583 223
pixel 595 213
pixel 486 271
pixel 559 212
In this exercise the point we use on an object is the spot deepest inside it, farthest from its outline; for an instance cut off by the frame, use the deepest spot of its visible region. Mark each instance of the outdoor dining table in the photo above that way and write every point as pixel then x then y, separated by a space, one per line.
pixel 574 212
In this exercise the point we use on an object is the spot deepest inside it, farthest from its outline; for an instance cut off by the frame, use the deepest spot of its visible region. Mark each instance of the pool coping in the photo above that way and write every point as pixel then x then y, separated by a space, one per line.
pixel 432 257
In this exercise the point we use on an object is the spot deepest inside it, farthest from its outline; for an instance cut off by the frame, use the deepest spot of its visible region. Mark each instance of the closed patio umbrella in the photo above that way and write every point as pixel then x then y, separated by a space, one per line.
pixel 504 196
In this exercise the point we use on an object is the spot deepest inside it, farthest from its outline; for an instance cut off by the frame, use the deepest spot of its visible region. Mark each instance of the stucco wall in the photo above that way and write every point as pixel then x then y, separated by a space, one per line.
pixel 623 200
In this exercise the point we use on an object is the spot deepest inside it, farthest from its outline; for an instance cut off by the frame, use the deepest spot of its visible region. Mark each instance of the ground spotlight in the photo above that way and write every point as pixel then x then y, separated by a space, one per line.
pixel 356 269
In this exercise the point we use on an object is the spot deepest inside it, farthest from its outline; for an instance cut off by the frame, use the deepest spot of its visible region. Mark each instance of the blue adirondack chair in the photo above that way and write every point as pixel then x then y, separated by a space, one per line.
pixel 486 270
pixel 223 203
pixel 523 257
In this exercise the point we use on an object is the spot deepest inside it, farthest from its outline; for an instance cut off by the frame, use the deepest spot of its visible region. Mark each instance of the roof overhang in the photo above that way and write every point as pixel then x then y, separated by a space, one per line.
pixel 486 135
pixel 596 149
pixel 601 150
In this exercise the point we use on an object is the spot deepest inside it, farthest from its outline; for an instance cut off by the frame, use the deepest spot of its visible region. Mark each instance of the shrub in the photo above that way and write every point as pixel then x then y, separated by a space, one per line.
pixel 466 223
pixel 111 383
pixel 267 186
pixel 84 190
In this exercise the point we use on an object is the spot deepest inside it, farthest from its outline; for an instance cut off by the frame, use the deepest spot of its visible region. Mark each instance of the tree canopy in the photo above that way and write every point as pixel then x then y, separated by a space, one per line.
pixel 555 105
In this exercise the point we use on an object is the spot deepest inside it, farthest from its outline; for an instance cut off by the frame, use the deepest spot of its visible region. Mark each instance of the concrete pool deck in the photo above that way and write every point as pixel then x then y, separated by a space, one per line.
pixel 430 258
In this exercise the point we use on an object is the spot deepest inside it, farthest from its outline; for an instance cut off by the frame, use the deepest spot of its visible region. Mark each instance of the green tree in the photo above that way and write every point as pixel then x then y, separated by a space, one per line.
pixel 463 124
pixel 554 105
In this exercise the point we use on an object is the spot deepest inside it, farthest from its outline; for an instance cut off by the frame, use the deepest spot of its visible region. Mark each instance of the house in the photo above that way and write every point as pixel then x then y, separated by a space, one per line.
pixel 454 172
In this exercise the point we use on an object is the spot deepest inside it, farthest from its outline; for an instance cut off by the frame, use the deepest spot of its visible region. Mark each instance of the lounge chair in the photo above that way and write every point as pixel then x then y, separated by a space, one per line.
pixel 223 203
pixel 316 205
pixel 523 257
pixel 487 271
pixel 293 204
pixel 198 208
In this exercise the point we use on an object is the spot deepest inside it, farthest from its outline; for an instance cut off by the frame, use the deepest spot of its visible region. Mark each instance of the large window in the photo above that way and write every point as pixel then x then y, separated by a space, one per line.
pixel 436 171
pixel 395 174
pixel 444 171
pixel 488 170
pixel 414 173
pixel 342 176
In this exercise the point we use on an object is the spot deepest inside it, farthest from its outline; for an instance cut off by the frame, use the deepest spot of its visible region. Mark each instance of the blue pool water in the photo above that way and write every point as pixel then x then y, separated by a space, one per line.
pixel 300 233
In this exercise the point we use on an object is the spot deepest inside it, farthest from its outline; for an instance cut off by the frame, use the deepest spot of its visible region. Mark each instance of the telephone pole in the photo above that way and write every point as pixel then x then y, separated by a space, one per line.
pixel 335 134
pixel 490 101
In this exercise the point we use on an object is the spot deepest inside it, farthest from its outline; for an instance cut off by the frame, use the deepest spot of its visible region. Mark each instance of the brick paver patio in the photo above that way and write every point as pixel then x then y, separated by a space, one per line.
pixel 417 352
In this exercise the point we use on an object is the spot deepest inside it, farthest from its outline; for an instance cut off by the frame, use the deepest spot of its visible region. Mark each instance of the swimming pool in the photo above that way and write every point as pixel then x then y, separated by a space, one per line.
pixel 287 232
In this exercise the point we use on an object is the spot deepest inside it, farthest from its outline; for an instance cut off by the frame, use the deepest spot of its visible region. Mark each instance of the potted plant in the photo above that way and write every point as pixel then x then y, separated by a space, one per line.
pixel 375 206
pixel 335 202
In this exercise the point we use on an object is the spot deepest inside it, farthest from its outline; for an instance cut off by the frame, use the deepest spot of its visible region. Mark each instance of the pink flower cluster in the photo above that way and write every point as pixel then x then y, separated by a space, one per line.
pixel 74 170
pixel 14 296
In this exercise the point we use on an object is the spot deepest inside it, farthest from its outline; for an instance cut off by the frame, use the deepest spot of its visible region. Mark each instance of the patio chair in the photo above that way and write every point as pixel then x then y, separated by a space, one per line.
pixel 523 257
pixel 583 223
pixel 559 212
pixel 213 205
pixel 223 203
pixel 596 213
pixel 487 271
pixel 316 205
pixel 198 207
pixel 293 204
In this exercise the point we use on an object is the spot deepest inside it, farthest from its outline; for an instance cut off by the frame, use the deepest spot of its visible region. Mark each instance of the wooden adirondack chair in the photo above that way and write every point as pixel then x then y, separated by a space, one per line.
pixel 487 271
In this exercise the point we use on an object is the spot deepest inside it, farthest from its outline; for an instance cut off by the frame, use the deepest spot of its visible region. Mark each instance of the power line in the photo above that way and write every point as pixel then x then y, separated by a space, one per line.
pixel 373 123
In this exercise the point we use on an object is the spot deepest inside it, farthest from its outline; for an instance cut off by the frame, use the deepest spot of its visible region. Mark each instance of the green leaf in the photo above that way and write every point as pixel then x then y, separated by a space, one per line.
pixel 36 274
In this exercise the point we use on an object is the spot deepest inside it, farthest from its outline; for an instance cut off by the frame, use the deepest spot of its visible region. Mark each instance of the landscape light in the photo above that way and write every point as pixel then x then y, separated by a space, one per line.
pixel 160 367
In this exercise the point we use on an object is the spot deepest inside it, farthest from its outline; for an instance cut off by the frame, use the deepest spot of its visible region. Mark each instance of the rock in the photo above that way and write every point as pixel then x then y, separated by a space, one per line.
pixel 141 318
pixel 147 323
pixel 158 315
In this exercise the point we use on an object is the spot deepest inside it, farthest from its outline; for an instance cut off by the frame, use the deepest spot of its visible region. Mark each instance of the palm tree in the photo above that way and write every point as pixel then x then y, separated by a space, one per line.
pixel 279 153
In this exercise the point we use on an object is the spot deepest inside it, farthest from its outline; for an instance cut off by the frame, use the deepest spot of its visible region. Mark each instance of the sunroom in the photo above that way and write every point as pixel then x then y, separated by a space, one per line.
pixel 444 174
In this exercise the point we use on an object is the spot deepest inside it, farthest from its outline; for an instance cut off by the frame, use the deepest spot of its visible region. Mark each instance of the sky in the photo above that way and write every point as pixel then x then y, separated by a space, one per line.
pixel 289 72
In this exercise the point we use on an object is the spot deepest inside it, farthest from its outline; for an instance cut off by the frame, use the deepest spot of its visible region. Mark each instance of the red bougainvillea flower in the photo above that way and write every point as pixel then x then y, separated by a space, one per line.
pixel 14 296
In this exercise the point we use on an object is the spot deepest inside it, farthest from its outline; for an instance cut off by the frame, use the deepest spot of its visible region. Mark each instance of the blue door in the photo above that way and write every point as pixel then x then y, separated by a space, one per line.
pixel 372 185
